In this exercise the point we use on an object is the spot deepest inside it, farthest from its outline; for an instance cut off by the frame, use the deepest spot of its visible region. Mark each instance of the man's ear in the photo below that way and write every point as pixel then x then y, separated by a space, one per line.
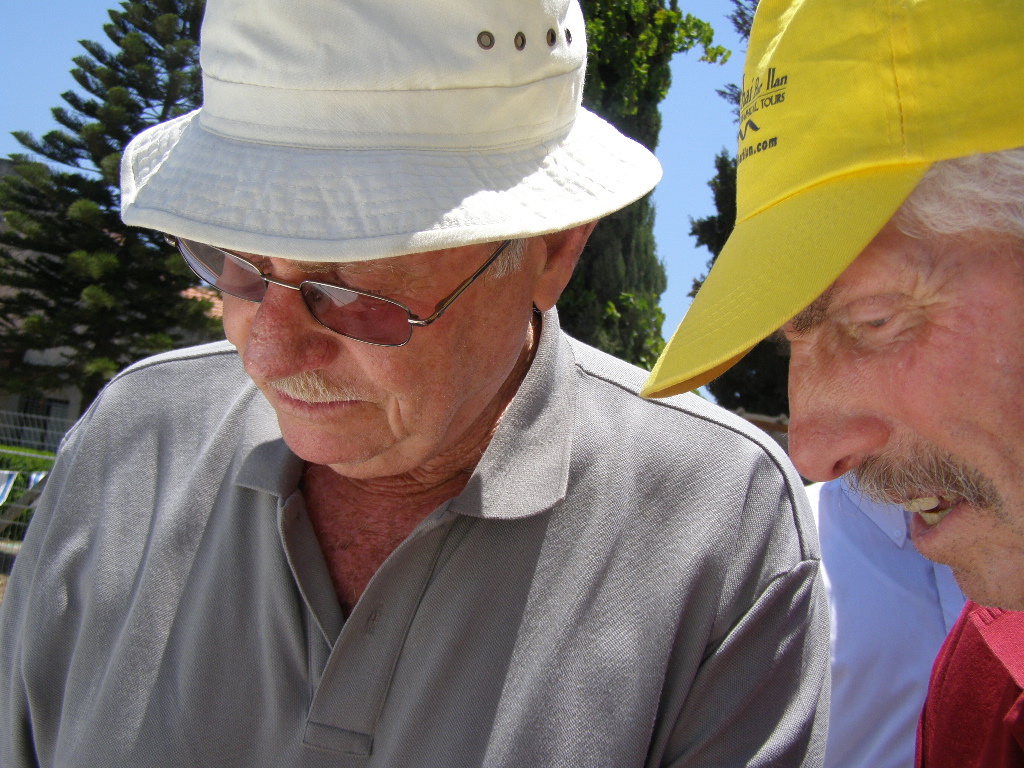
pixel 561 252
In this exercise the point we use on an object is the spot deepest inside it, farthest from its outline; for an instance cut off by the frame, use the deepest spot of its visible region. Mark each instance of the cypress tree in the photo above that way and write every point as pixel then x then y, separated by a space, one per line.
pixel 95 293
pixel 612 300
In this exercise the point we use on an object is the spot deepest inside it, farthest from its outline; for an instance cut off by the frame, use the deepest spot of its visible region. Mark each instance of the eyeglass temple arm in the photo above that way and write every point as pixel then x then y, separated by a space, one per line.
pixel 444 304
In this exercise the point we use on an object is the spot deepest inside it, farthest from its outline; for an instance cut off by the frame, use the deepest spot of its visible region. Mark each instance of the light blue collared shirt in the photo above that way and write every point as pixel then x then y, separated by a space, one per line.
pixel 890 610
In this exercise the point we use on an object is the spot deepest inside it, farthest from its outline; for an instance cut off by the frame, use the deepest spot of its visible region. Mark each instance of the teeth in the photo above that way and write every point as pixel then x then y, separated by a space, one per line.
pixel 933 518
pixel 922 504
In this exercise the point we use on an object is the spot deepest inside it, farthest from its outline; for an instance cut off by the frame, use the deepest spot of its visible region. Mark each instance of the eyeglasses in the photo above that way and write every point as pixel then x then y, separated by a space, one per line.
pixel 356 314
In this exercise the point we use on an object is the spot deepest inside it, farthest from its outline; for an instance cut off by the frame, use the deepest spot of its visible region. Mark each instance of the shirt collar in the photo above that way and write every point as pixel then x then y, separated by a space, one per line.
pixel 892 520
pixel 265 462
pixel 525 469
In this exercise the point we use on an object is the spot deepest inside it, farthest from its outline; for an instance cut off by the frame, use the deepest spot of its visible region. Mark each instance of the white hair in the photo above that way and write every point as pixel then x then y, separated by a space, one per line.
pixel 510 260
pixel 975 193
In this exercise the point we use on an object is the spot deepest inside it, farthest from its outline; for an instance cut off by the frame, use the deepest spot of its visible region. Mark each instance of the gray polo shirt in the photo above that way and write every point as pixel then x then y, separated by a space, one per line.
pixel 622 583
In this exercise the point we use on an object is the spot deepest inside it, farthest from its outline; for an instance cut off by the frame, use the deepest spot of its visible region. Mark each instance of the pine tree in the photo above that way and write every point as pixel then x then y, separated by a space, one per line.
pixel 78 282
pixel 612 300
pixel 757 383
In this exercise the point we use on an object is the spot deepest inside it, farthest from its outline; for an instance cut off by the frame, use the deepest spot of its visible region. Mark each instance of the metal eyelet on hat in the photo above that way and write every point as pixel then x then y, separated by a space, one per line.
pixel 568 36
pixel 520 41
pixel 485 40
pixel 552 38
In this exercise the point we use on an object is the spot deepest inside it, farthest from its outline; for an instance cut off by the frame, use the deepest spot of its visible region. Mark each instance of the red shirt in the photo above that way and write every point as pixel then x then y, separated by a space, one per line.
pixel 973 714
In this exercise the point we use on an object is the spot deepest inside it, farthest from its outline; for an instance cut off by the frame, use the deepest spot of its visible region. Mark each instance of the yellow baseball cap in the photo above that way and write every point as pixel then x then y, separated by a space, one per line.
pixel 845 105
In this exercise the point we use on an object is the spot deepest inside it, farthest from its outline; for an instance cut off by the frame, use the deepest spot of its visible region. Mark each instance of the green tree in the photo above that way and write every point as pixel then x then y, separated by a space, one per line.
pixel 713 231
pixel 758 382
pixel 612 300
pixel 78 282
pixel 103 295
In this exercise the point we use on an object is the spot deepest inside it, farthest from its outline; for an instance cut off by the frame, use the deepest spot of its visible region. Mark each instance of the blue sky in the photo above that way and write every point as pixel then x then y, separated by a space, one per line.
pixel 38 39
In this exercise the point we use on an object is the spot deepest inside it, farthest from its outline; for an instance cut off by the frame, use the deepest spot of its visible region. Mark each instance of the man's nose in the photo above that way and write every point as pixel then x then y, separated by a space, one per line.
pixel 285 339
pixel 832 426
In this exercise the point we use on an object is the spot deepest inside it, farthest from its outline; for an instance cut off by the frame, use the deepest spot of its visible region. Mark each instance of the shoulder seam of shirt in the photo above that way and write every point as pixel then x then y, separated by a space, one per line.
pixel 213 349
pixel 665 403
pixel 761 443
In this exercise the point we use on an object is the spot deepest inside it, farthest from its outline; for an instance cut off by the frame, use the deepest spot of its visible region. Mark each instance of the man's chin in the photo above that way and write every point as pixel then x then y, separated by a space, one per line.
pixel 322 445
pixel 991 591
pixel 985 560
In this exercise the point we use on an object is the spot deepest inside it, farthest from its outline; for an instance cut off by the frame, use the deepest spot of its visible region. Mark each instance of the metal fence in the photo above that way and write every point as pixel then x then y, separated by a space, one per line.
pixel 19 491
pixel 21 481
pixel 31 431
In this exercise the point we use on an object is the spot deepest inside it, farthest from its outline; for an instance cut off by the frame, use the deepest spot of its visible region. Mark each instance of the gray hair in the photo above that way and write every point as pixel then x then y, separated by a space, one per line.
pixel 979 192
pixel 510 260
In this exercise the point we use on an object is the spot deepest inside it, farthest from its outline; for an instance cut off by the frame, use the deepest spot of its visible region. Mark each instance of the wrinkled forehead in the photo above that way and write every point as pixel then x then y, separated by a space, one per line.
pixel 891 257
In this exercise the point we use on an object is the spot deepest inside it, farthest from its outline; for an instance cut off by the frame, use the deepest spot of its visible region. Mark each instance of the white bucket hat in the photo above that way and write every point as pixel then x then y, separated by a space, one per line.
pixel 363 129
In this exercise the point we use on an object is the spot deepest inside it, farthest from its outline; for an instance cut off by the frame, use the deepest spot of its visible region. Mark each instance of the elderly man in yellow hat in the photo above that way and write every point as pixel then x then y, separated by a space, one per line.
pixel 881 225
pixel 399 518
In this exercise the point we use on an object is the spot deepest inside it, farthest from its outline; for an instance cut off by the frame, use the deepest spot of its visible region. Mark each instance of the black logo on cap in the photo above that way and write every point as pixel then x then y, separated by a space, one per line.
pixel 757 96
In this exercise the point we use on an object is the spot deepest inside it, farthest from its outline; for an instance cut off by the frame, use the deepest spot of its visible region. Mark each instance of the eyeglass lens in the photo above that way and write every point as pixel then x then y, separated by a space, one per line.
pixel 356 315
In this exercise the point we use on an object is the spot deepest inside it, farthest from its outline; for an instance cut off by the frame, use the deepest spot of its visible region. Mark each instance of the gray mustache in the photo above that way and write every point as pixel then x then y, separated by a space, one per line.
pixel 314 387
pixel 892 479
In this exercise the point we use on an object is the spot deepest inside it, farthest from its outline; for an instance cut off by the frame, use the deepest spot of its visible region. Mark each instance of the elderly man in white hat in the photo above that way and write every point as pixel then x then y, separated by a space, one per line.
pixel 399 518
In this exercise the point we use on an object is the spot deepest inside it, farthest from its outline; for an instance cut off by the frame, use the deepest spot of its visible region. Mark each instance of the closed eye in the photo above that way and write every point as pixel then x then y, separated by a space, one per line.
pixel 871 312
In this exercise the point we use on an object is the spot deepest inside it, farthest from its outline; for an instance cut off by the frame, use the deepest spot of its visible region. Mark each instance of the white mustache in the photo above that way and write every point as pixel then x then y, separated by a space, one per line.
pixel 314 387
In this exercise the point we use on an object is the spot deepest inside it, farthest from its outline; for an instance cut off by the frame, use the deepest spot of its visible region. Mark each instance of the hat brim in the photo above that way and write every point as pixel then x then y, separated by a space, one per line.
pixel 357 204
pixel 774 264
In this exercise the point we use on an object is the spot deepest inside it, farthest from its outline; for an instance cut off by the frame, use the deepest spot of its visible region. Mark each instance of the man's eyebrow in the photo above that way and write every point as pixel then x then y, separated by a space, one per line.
pixel 349 268
pixel 354 269
pixel 814 313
